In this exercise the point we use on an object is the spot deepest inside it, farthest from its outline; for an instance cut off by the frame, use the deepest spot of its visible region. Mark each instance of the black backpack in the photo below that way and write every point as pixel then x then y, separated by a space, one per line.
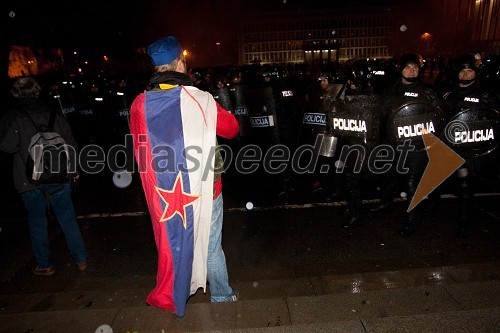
pixel 48 160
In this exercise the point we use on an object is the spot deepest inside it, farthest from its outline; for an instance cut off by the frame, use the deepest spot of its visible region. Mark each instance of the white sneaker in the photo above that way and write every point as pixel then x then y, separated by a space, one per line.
pixel 235 296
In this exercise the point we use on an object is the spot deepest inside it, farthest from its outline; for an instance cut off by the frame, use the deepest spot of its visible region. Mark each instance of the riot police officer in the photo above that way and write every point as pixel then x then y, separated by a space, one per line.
pixel 355 121
pixel 408 107
pixel 318 103
pixel 467 92
pixel 466 102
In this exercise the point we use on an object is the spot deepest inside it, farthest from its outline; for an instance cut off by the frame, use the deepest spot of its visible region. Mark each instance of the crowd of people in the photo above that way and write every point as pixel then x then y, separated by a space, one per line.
pixel 384 95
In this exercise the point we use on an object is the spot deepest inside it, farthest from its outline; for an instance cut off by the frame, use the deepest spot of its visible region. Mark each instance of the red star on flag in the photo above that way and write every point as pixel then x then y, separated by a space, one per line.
pixel 176 200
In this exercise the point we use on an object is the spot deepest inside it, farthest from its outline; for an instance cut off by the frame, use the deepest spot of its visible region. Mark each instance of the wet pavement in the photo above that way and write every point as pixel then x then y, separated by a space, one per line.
pixel 296 269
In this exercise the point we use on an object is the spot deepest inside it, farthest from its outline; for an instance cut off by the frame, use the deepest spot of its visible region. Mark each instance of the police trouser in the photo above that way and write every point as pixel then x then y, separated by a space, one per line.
pixel 465 177
pixel 408 178
pixel 465 195
pixel 353 195
pixel 355 172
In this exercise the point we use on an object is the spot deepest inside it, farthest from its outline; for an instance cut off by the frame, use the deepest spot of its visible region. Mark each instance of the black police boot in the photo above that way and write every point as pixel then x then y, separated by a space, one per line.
pixel 465 206
pixel 409 226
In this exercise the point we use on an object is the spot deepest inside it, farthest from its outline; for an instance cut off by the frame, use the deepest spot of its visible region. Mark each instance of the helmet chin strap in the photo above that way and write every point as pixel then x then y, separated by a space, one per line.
pixel 467 81
pixel 411 79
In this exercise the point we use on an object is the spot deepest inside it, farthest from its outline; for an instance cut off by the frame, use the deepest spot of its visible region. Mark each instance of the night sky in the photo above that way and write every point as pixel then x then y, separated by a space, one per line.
pixel 139 22
pixel 199 24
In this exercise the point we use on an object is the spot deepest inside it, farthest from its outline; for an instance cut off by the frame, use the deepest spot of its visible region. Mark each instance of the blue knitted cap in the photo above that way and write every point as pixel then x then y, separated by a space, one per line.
pixel 164 50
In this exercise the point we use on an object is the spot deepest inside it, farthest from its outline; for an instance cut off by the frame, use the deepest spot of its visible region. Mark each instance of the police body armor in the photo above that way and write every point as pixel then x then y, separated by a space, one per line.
pixel 473 132
pixel 262 116
pixel 237 96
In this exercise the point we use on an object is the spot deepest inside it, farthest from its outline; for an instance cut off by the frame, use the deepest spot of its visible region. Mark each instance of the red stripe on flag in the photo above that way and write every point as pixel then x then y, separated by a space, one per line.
pixel 194 99
pixel 162 295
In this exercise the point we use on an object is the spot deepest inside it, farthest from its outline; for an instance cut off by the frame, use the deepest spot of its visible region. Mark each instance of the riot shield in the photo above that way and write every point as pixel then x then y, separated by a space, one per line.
pixel 355 122
pixel 312 120
pixel 407 122
pixel 312 126
pixel 473 132
pixel 262 116
pixel 223 98
pixel 356 119
pixel 288 109
pixel 236 93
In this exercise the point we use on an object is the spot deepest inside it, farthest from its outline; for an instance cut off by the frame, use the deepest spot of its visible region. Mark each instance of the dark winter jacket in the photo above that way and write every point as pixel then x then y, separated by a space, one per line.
pixel 16 130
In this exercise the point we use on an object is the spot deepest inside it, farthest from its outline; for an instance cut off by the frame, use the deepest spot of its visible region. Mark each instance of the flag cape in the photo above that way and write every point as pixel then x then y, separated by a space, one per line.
pixel 174 142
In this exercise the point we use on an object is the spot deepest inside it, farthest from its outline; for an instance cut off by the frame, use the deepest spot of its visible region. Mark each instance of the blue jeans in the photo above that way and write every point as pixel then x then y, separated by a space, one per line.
pixel 35 202
pixel 220 291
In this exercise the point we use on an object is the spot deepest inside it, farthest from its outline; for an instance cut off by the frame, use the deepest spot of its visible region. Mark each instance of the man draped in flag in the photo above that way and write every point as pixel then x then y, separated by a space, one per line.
pixel 174 127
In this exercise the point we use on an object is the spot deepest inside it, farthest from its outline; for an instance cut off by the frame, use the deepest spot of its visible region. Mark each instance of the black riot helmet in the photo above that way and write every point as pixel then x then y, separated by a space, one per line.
pixel 468 61
pixel 327 76
pixel 410 58
pixel 360 74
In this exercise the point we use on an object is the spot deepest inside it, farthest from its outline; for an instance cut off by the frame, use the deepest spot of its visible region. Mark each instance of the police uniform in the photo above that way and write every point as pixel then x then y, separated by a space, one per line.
pixel 408 107
pixel 355 122
pixel 473 140
pixel 315 124
pixel 279 105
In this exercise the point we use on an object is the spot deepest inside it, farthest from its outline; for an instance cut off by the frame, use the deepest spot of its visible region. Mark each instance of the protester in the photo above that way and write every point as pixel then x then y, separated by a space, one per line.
pixel 174 126
pixel 17 127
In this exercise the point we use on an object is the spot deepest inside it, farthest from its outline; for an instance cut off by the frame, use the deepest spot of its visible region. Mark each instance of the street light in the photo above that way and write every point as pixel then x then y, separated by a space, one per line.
pixel 425 35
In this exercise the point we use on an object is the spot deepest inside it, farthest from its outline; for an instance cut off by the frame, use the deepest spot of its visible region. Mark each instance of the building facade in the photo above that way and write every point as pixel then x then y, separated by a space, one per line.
pixel 470 25
pixel 315 37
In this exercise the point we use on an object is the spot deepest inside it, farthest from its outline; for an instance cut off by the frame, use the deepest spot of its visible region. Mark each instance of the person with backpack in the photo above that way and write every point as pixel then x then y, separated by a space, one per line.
pixel 30 126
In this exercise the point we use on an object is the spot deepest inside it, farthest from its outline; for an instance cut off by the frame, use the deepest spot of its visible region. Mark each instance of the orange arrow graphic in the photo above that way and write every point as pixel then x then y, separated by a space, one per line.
pixel 443 162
